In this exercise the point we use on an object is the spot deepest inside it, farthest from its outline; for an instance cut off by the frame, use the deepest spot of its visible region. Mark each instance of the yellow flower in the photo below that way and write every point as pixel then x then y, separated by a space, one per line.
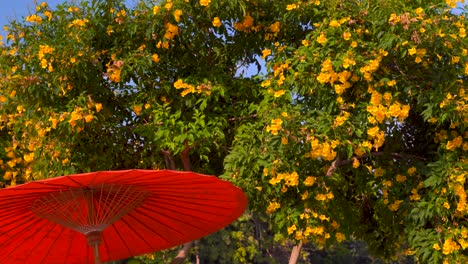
pixel 450 246
pixel 309 181
pixel 394 207
pixel 455 143
pixel 356 163
pixel 340 237
pixel 275 27
pixel 205 2
pixel 446 205
pixel 34 19
pixel 291 229
pixel 171 31
pixel 177 15
pixel 137 109
pixel 98 107
pixel 411 170
pixel 89 118
pixel 400 178
pixel 378 172
pixel 412 51
pixel 155 58
pixel 291 7
pixel 321 39
pixel 216 22
pixel 346 35
pixel 334 23
pixel 266 53
pixel 28 157
pixel 272 207
pixel 155 10
pixel 436 247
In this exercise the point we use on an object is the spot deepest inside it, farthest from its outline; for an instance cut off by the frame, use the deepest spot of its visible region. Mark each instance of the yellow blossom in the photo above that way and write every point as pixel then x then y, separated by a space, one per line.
pixel 266 53
pixel 291 229
pixel 205 2
pixel 346 35
pixel 340 237
pixel 394 207
pixel 400 178
pixel 155 58
pixel 321 39
pixel 450 246
pixel 216 22
pixel 98 107
pixel 309 181
pixel 272 207
pixel 177 14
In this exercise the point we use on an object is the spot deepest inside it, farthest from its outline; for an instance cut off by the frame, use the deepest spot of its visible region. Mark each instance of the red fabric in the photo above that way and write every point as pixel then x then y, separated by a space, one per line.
pixel 180 207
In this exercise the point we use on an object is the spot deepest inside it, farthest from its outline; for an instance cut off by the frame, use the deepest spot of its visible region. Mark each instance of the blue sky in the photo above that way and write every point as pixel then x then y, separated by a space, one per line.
pixel 15 9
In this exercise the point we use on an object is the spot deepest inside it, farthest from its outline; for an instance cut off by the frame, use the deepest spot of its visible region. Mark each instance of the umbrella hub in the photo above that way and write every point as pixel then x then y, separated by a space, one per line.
pixel 89 210
pixel 94 238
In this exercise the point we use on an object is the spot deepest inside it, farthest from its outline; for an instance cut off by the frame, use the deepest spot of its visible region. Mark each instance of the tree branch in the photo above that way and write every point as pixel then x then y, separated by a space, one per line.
pixel 185 251
pixel 295 253
pixel 337 163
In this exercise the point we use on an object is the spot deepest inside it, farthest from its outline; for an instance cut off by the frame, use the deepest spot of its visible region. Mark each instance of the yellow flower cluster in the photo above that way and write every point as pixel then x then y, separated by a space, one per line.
pixel 188 88
pixel 371 67
pixel 78 23
pixel 278 71
pixel 43 50
pixel 323 197
pixel 272 207
pixel 205 2
pixel 461 205
pixel 420 53
pixel 450 246
pixel 455 143
pixel 328 75
pixel 171 31
pixel 325 150
pixel 114 70
pixel 177 14
pixel 380 111
pixel 246 25
pixel 377 136
pixel 34 19
pixel 290 179
pixel 339 120
pixel 275 126
pixel 395 205
pixel 79 114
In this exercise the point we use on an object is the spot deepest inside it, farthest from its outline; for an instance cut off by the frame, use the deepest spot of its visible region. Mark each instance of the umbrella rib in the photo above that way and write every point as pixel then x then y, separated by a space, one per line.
pixel 52 244
pixel 147 226
pixel 122 239
pixel 18 234
pixel 69 249
pixel 170 217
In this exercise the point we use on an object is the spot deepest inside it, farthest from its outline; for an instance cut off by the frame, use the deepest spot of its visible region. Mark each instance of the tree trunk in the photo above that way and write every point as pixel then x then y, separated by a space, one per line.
pixel 295 253
pixel 185 251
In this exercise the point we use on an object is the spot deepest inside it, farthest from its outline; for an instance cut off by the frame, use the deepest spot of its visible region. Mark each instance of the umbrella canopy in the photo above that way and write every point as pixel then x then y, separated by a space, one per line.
pixel 110 215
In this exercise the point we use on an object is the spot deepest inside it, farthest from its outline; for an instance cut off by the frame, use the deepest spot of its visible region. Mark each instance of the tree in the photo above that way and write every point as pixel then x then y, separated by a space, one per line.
pixel 362 130
pixel 357 131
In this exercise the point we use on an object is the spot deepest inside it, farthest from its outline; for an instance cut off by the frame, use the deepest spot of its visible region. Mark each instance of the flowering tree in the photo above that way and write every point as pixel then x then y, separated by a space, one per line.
pixel 362 128
pixel 357 131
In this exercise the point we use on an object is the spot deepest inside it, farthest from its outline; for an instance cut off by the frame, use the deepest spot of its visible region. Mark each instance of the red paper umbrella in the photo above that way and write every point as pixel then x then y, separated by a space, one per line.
pixel 110 215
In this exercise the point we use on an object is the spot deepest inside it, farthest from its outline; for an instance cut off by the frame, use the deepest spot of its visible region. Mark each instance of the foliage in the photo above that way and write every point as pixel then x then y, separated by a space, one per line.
pixel 357 130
